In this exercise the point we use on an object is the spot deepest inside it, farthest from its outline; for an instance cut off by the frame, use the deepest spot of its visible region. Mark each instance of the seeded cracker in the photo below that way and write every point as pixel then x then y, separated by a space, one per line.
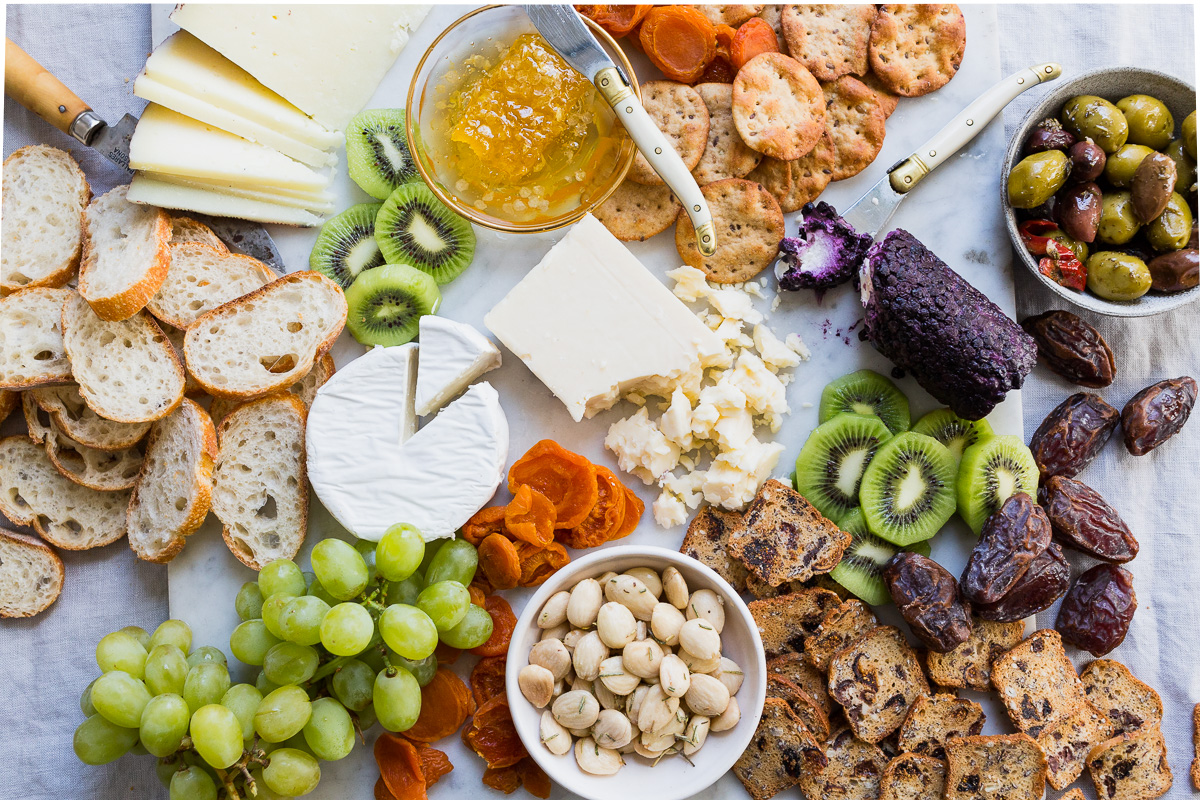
pixel 728 15
pixel 802 704
pixel 855 122
pixel 1127 702
pixel 795 183
pixel 778 106
pixel 1068 743
pixel 780 752
pixel 876 680
pixel 1196 746
pixel 1037 683
pixel 913 777
pixel 934 719
pixel 679 112
pixel 725 155
pixel 1008 767
pixel 887 100
pixel 706 540
pixel 830 40
pixel 634 213
pixel 916 49
pixel 793 667
pixel 969 666
pixel 1132 766
pixel 840 627
pixel 773 16
pixel 748 226
pixel 785 621
pixel 853 772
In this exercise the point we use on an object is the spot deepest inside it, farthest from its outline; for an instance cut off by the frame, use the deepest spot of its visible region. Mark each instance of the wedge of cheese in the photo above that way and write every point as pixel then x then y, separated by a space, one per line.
pixel 149 191
pixel 453 356
pixel 318 202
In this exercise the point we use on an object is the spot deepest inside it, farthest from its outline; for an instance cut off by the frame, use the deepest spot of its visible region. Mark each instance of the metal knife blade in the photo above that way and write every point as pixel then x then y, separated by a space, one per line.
pixel 563 28
pixel 112 141
pixel 871 212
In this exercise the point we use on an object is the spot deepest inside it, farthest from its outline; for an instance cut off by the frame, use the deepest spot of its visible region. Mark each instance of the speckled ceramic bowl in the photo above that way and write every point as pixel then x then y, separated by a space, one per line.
pixel 1111 84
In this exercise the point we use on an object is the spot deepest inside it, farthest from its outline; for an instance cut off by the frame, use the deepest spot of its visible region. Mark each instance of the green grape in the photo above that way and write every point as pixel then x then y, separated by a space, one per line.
pixel 408 630
pixel 121 650
pixel 397 699
pixel 347 629
pixel 399 552
pixel 173 631
pixel 422 670
pixel 139 633
pixel 120 698
pixel 282 713
pixel 139 749
pixel 264 685
pixel 329 731
pixel 373 657
pixel 353 684
pixel 366 718
pixel 296 743
pixel 261 791
pixel 98 741
pixel 281 576
pixel 243 699
pixel 339 568
pixel 166 670
pixel 291 772
pixel 217 735
pixel 192 783
pixel 250 642
pixel 272 614
pixel 288 663
pixel 205 684
pixel 445 602
pixel 206 654
pixel 366 549
pixel 301 619
pixel 164 724
pixel 165 769
pixel 474 630
pixel 455 561
pixel 406 591
pixel 431 551
pixel 317 590
pixel 85 699
pixel 249 601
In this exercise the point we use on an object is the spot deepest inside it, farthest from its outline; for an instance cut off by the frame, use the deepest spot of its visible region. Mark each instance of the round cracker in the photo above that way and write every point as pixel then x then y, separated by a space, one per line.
pixel 887 100
pixel 773 16
pixel 679 112
pixel 778 106
pixel 725 155
pixel 854 120
pixel 829 40
pixel 748 225
pixel 796 183
pixel 916 49
pixel 728 15
pixel 634 213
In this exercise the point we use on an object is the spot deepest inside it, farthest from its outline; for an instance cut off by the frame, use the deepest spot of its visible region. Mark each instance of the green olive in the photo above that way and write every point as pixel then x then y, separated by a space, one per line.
pixel 1036 178
pixel 1185 167
pixel 1091 117
pixel 1120 166
pixel 1080 249
pixel 1189 134
pixel 1150 123
pixel 1173 227
pixel 1117 222
pixel 1117 276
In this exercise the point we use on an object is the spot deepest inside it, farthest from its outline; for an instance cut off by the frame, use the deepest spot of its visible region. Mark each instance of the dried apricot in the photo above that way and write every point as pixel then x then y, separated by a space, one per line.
pixel 498 561
pixel 477 593
pixel 504 621
pixel 434 764
pixel 485 522
pixel 446 702
pixel 753 38
pixel 381 791
pixel 725 34
pixel 718 71
pixel 679 40
pixel 487 678
pixel 535 781
pixel 505 779
pixel 568 480
pixel 493 736
pixel 617 20
pixel 530 517
pixel 634 507
pixel 606 517
pixel 538 565
pixel 399 767
pixel 446 654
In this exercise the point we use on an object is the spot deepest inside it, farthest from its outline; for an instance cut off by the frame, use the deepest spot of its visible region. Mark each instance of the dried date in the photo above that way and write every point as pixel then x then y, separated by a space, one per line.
pixel 1011 539
pixel 1082 520
pixel 1156 413
pixel 928 599
pixel 1096 613
pixel 1044 582
pixel 1073 434
pixel 1072 349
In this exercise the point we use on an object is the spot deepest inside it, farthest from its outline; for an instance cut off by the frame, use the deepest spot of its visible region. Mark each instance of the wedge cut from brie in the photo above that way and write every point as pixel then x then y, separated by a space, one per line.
pixel 453 356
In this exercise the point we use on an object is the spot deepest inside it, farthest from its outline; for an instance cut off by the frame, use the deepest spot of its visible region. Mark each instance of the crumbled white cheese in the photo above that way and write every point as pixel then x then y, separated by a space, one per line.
pixel 797 345
pixel 641 448
pixel 774 353
pixel 690 283
pixel 669 510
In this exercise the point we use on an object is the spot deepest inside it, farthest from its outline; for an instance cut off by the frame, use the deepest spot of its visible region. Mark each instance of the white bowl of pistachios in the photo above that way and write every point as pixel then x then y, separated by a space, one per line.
pixel 636 672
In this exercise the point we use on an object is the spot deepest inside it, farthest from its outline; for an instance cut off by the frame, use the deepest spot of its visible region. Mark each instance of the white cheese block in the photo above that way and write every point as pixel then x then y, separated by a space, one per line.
pixel 149 191
pixel 594 325
pixel 327 60
pixel 453 356
pixel 320 202
pixel 167 142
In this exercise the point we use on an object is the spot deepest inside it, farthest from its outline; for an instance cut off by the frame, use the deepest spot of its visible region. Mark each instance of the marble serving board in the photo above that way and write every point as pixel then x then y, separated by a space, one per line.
pixel 955 212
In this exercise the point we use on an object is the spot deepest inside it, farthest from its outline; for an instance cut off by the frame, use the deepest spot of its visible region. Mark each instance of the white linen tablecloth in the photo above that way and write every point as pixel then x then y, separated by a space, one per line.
pixel 47 661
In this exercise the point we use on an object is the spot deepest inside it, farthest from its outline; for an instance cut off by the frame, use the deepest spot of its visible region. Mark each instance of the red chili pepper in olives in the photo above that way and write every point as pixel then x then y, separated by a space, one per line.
pixel 928 599
pixel 1011 539
pixel 1073 434
pixel 1033 234
pixel 1157 413
pixel 1062 266
pixel 1096 612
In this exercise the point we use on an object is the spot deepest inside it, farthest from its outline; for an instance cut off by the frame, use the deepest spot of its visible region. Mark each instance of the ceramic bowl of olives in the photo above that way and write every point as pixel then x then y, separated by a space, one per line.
pixel 1099 192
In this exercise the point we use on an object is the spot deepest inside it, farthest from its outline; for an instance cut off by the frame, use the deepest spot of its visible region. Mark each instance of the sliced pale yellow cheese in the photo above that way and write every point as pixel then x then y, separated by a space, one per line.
pixel 148 191
pixel 170 143
pixel 317 203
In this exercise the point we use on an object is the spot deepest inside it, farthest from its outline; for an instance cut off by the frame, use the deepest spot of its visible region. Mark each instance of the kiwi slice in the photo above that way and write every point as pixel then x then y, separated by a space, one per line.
pixel 346 245
pixel 861 567
pixel 831 463
pixel 385 303
pixel 952 430
pixel 377 155
pixel 990 472
pixel 907 491
pixel 413 227
pixel 866 392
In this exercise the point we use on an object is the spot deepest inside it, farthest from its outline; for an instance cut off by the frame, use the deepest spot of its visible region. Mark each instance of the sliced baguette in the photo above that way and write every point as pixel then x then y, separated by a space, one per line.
pixel 260 485
pixel 305 389
pixel 185 229
pixel 102 470
pixel 31 341
pixel 8 402
pixel 45 194
pixel 268 339
pixel 201 278
pixel 174 492
pixel 125 254
pixel 65 514
pixel 65 406
pixel 31 575
pixel 190 386
pixel 127 371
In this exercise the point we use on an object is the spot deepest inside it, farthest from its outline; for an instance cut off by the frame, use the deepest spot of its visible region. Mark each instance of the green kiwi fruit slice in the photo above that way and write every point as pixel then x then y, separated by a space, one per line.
pixel 861 567
pixel 385 304
pixel 952 430
pixel 907 491
pixel 346 245
pixel 377 155
pixel 413 227
pixel 990 472
pixel 831 463
pixel 866 392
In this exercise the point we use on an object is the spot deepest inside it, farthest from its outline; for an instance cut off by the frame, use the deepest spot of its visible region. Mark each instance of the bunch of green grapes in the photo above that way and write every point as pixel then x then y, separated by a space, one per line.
pixel 338 650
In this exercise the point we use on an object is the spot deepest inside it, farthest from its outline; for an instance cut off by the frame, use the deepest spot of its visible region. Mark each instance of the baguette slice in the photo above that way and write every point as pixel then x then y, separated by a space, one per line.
pixel 65 514
pixel 174 492
pixel 31 575
pixel 31 341
pixel 8 402
pixel 268 339
pixel 102 470
pixel 127 371
pixel 305 389
pixel 260 485
pixel 45 194
pixel 125 254
pixel 66 409
pixel 185 229
pixel 200 278
pixel 190 387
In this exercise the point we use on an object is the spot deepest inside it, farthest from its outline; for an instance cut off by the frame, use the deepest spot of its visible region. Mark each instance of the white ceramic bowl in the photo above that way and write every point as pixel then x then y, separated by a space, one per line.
pixel 673 778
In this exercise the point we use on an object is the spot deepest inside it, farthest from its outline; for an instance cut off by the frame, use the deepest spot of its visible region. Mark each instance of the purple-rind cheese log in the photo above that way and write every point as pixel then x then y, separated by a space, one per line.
pixel 923 316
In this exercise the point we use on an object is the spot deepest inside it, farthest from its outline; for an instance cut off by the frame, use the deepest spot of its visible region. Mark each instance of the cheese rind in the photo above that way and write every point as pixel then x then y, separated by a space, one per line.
pixel 149 191
pixel 318 202
pixel 454 355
